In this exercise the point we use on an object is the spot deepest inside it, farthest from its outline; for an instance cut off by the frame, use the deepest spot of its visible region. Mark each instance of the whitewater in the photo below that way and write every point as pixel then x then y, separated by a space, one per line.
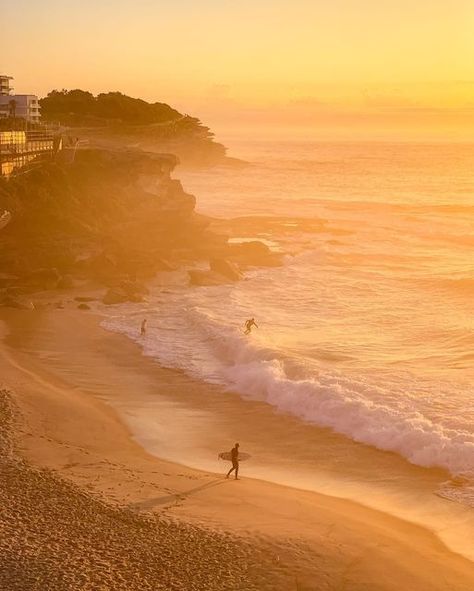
pixel 367 327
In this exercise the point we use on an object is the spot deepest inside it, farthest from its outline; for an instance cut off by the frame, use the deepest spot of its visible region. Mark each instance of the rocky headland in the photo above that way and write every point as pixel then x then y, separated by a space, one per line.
pixel 113 218
pixel 114 119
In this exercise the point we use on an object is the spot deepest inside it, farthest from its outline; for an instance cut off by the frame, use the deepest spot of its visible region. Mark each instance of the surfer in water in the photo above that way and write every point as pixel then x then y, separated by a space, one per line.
pixel 234 454
pixel 248 325
pixel 143 327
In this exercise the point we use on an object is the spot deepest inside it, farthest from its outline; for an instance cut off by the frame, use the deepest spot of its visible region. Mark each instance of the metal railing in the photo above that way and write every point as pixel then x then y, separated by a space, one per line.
pixel 19 149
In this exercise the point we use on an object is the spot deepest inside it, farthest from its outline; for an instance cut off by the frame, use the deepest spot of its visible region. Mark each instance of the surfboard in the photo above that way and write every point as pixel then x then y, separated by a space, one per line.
pixel 226 455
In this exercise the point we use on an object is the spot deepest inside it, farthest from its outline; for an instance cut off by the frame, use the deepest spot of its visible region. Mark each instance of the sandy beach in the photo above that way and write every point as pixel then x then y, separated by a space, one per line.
pixel 84 506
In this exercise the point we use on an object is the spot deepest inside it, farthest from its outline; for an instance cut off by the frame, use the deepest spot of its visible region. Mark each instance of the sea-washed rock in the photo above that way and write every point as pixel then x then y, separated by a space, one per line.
pixel 15 290
pixel 126 291
pixel 9 301
pixel 226 268
pixel 6 280
pixel 132 288
pixel 202 278
pixel 254 253
pixel 83 306
pixel 115 295
pixel 65 282
pixel 43 279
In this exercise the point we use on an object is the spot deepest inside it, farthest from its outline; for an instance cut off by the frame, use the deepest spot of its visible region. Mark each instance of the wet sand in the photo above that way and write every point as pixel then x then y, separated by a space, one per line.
pixel 303 540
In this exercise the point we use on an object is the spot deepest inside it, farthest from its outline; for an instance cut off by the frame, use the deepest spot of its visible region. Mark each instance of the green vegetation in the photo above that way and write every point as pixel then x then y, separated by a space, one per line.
pixel 79 107
pixel 116 119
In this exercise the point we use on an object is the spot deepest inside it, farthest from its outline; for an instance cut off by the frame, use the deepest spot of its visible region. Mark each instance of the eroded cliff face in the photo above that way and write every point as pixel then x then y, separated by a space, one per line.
pixel 107 215
pixel 115 217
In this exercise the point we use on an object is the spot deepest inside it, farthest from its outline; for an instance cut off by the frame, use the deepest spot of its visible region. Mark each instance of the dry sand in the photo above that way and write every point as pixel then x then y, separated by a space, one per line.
pixel 84 507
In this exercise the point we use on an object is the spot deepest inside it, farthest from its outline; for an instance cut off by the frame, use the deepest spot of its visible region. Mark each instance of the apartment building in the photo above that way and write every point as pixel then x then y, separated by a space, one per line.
pixel 25 106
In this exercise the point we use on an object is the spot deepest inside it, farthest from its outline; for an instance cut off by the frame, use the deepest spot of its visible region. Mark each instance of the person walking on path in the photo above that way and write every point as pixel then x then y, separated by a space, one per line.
pixel 234 455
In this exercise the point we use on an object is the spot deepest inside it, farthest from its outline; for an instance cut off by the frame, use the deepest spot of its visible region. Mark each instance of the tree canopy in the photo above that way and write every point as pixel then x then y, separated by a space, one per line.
pixel 81 108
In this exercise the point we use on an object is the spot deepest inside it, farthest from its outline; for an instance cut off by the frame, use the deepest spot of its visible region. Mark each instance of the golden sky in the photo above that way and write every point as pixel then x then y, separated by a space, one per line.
pixel 338 66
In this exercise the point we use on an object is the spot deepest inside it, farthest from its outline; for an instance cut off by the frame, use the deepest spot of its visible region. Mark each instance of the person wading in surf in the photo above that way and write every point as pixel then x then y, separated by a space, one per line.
pixel 248 325
pixel 143 327
pixel 234 455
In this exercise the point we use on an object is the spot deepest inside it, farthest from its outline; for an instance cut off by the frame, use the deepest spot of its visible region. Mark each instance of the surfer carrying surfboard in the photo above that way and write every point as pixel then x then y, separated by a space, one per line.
pixel 248 325
pixel 234 455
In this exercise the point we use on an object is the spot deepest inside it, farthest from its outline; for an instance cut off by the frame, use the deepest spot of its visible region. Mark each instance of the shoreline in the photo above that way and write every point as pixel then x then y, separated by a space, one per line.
pixel 66 428
pixel 77 540
pixel 307 457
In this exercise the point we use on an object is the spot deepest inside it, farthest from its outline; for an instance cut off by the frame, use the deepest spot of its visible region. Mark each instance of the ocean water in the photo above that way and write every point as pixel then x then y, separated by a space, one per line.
pixel 368 327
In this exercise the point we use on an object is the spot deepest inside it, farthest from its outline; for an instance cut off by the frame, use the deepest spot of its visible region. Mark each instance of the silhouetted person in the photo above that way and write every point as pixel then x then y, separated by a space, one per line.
pixel 143 327
pixel 234 456
pixel 248 325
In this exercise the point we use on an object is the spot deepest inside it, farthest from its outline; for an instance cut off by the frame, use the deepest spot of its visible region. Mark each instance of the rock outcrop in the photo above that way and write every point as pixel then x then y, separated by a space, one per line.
pixel 42 279
pixel 225 268
pixel 10 301
pixel 202 278
pixel 254 253
pixel 93 218
pixel 220 272
pixel 125 291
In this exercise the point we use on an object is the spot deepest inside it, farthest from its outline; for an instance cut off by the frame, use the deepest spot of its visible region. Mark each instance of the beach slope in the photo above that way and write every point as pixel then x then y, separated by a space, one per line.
pixel 83 506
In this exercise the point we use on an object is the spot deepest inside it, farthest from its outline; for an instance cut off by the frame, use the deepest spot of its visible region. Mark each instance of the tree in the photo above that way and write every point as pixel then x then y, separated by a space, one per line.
pixel 78 107
pixel 12 108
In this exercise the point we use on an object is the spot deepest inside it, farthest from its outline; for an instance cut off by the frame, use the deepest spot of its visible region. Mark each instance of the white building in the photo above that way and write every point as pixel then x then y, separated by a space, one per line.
pixel 25 106
pixel 5 87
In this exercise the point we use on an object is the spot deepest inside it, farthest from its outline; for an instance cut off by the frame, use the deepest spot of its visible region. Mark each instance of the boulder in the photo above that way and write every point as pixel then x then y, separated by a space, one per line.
pixel 43 279
pixel 132 288
pixel 104 266
pixel 254 253
pixel 66 282
pixel 6 280
pixel 226 268
pixel 83 307
pixel 207 278
pixel 115 295
pixel 254 248
pixel 15 291
pixel 126 291
pixel 14 302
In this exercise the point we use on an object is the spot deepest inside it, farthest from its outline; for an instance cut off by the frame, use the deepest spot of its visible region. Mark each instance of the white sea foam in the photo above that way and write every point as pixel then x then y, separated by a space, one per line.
pixel 368 330
pixel 459 489
pixel 354 407
pixel 338 403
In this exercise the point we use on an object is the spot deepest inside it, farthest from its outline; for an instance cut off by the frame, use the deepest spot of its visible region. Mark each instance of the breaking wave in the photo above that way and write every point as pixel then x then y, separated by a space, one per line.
pixel 354 407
